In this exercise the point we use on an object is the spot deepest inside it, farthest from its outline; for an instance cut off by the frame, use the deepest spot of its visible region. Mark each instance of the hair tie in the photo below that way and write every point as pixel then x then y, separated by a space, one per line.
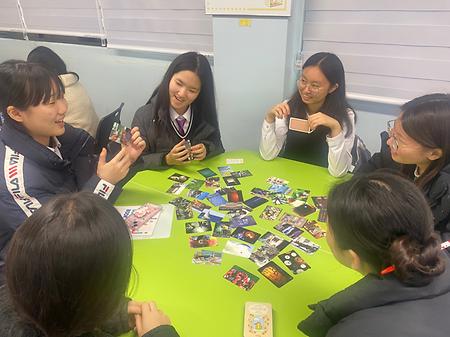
pixel 387 270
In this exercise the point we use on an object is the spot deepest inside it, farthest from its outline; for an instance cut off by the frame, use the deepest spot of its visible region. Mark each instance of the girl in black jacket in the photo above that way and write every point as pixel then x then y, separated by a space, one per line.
pixel 68 270
pixel 381 226
pixel 182 108
pixel 418 144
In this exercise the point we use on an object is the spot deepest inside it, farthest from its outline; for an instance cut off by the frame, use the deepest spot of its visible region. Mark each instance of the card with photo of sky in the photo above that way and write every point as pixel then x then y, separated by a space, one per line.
pixel 207 172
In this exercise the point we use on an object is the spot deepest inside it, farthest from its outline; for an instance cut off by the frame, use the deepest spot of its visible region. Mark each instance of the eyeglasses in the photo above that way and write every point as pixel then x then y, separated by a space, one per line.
pixel 390 130
pixel 314 87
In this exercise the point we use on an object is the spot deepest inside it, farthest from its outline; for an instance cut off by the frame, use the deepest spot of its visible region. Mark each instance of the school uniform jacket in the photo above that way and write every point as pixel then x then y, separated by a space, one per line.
pixel 32 174
pixel 437 191
pixel 375 307
pixel 160 141
pixel 11 325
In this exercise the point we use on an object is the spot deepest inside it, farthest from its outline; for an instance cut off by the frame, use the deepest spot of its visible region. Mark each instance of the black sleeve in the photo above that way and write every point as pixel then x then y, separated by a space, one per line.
pixel 162 331
pixel 214 144
pixel 382 159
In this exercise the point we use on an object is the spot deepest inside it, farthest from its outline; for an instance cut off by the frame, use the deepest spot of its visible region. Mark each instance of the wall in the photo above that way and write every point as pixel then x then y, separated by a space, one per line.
pixel 254 68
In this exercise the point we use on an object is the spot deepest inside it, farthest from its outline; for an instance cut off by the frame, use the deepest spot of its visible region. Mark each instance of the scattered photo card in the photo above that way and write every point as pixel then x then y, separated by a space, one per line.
pixel 304 244
pixel 120 134
pixel 313 228
pixel 270 213
pixel 275 274
pixel 293 220
pixel 231 181
pixel 283 189
pixel 241 174
pixel 259 192
pixel 323 215
pixel 273 240
pixel 216 199
pixel 199 206
pixel 235 196
pixel 200 241
pixel 320 202
pixel 246 235
pixel 255 202
pixel 289 230
pixel 222 230
pixel 224 190
pixel 207 257
pixel 184 213
pixel 279 198
pixel 277 181
pixel 195 184
pixel 179 178
pixel 304 210
pixel 294 262
pixel 212 182
pixel 246 221
pixel 240 277
pixel 225 171
pixel 232 206
pixel 238 249
pixel 176 188
pixel 211 215
pixel 263 255
pixel 207 172
pixel 198 227
pixel 238 213
pixel 197 194
pixel 180 202
pixel 300 194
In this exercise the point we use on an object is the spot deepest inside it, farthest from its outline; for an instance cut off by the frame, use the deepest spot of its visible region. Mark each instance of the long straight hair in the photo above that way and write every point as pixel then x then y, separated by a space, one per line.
pixel 204 105
pixel 69 264
pixel 426 119
pixel 336 104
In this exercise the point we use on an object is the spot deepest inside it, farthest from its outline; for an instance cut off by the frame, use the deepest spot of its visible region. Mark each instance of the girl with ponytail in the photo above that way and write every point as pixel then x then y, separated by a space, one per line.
pixel 381 226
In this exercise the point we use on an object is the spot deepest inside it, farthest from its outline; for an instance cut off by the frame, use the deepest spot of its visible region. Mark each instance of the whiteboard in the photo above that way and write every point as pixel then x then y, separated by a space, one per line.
pixel 248 7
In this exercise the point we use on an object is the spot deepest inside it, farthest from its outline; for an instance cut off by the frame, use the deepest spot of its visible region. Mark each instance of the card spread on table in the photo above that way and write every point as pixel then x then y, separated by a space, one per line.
pixel 207 172
pixel 222 230
pixel 179 178
pixel 275 274
pixel 207 257
pixel 198 227
pixel 240 277
pixel 304 244
pixel 270 213
pixel 238 249
pixel 294 262
pixel 200 241
pixel 246 235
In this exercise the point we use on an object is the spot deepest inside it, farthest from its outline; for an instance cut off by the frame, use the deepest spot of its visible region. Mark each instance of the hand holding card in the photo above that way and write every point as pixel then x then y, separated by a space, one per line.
pixel 299 125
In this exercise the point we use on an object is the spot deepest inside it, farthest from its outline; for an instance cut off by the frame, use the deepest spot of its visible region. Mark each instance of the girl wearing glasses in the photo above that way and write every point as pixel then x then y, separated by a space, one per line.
pixel 381 226
pixel 320 99
pixel 418 144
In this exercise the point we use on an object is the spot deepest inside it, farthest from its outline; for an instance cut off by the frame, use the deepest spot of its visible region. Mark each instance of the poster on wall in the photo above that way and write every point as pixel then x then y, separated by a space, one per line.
pixel 248 7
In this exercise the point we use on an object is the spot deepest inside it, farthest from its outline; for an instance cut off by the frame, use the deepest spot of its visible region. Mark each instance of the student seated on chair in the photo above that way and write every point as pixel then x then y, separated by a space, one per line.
pixel 181 108
pixel 41 156
pixel 68 271
pixel 320 99
pixel 381 226
pixel 80 110
pixel 418 144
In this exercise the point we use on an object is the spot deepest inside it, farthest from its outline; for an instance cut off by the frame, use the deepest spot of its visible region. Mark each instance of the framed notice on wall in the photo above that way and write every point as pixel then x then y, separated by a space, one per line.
pixel 248 7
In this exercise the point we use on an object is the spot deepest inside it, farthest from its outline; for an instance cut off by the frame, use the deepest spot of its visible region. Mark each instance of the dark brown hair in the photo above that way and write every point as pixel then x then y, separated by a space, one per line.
pixel 24 84
pixel 69 264
pixel 426 119
pixel 386 220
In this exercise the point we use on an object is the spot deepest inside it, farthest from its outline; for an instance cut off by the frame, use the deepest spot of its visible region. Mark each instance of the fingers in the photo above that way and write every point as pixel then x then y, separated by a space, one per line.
pixel 102 157
pixel 134 308
pixel 139 325
pixel 152 306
